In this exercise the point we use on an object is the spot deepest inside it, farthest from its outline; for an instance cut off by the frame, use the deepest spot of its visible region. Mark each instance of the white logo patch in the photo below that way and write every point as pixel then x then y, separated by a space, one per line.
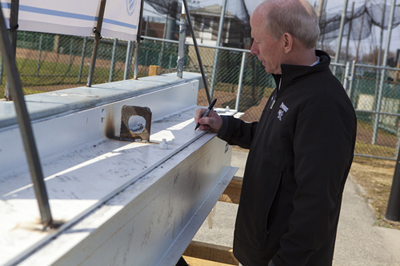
pixel 282 110
pixel 130 6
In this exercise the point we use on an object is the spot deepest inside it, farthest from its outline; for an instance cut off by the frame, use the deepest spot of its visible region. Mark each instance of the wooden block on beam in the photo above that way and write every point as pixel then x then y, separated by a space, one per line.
pixel 210 252
pixel 232 191
pixel 154 70
pixel 200 262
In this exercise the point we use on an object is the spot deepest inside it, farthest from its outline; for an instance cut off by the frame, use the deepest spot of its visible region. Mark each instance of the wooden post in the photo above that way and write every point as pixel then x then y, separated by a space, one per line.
pixel 154 70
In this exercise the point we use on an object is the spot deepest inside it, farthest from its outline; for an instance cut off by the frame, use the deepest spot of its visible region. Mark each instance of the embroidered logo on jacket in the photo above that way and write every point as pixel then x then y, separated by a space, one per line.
pixel 282 110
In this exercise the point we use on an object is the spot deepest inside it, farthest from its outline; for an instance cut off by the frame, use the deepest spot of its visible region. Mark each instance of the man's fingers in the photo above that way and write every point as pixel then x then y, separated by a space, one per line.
pixel 212 121
pixel 206 121
pixel 199 114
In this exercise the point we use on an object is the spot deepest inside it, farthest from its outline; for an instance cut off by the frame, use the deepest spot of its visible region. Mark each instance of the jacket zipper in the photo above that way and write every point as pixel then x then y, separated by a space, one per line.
pixel 275 97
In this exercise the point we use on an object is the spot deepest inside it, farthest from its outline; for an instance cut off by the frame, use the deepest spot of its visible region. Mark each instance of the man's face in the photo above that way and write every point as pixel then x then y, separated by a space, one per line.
pixel 265 46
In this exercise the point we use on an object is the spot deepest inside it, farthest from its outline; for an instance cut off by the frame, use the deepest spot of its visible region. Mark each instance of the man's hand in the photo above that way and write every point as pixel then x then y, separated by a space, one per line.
pixel 212 122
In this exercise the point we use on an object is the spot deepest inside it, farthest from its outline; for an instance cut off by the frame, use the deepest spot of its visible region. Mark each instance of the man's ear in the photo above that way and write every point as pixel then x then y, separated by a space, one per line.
pixel 287 42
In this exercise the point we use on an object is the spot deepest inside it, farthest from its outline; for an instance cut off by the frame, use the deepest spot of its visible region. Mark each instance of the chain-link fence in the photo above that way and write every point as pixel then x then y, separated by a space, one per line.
pixel 375 93
pixel 48 62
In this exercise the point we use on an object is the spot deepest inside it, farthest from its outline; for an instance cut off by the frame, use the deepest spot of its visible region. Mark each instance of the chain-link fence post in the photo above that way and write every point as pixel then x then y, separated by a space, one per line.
pixel 346 76
pixel 378 107
pixel 113 60
pixel 1 69
pixel 82 59
pixel 351 79
pixel 128 59
pixel 384 62
pixel 40 54
pixel 240 81
pixel 70 56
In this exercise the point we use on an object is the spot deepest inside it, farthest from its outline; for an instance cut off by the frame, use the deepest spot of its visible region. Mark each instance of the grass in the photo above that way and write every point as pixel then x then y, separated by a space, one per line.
pixel 50 74
pixel 53 74
pixel 371 149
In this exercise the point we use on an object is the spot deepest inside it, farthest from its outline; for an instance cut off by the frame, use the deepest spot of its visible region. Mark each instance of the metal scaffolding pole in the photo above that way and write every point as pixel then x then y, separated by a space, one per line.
pixel 349 33
pixel 197 53
pixel 377 79
pixel 220 29
pixel 181 47
pixel 138 39
pixel 359 36
pixel 393 208
pixel 339 45
pixel 97 33
pixel 24 124
pixel 320 8
pixel 13 38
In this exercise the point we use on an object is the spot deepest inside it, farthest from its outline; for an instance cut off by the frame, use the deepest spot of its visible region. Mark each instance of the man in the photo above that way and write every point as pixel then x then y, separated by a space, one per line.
pixel 300 150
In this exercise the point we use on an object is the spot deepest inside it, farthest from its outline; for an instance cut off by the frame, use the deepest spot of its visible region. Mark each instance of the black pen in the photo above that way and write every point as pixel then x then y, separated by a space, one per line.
pixel 206 113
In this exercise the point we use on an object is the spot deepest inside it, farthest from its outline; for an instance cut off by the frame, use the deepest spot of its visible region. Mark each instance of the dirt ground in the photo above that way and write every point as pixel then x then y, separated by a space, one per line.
pixel 375 176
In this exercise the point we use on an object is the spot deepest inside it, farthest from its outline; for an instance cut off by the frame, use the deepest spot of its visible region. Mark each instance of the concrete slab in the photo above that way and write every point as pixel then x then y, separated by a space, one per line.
pixel 391 238
pixel 239 158
pixel 218 229
pixel 359 242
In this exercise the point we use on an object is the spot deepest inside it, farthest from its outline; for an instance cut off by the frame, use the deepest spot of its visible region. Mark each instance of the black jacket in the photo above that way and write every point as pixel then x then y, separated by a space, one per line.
pixel 300 155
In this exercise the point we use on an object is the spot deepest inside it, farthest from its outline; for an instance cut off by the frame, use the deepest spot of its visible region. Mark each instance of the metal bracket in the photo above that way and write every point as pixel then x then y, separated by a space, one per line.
pixel 127 112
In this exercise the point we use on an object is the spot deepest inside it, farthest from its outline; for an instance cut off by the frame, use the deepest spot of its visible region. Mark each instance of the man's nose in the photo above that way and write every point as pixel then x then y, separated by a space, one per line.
pixel 254 48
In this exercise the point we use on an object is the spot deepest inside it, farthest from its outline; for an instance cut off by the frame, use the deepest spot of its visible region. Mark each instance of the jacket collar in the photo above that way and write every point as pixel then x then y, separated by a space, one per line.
pixel 291 72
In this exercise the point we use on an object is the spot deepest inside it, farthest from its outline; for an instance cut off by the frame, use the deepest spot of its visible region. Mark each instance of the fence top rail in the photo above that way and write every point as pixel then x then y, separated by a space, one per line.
pixel 378 67
pixel 338 64
pixel 366 66
pixel 200 45
pixel 248 51
pixel 376 112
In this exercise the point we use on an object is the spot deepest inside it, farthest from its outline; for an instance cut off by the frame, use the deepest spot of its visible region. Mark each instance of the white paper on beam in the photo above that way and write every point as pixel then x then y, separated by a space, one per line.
pixel 69 17
pixel 121 19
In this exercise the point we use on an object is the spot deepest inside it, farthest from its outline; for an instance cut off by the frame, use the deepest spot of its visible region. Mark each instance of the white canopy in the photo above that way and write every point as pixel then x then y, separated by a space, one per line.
pixel 77 17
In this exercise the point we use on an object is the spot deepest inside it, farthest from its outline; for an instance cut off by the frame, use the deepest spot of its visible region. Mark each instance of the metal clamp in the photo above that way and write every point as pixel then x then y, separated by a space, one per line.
pixel 96 31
